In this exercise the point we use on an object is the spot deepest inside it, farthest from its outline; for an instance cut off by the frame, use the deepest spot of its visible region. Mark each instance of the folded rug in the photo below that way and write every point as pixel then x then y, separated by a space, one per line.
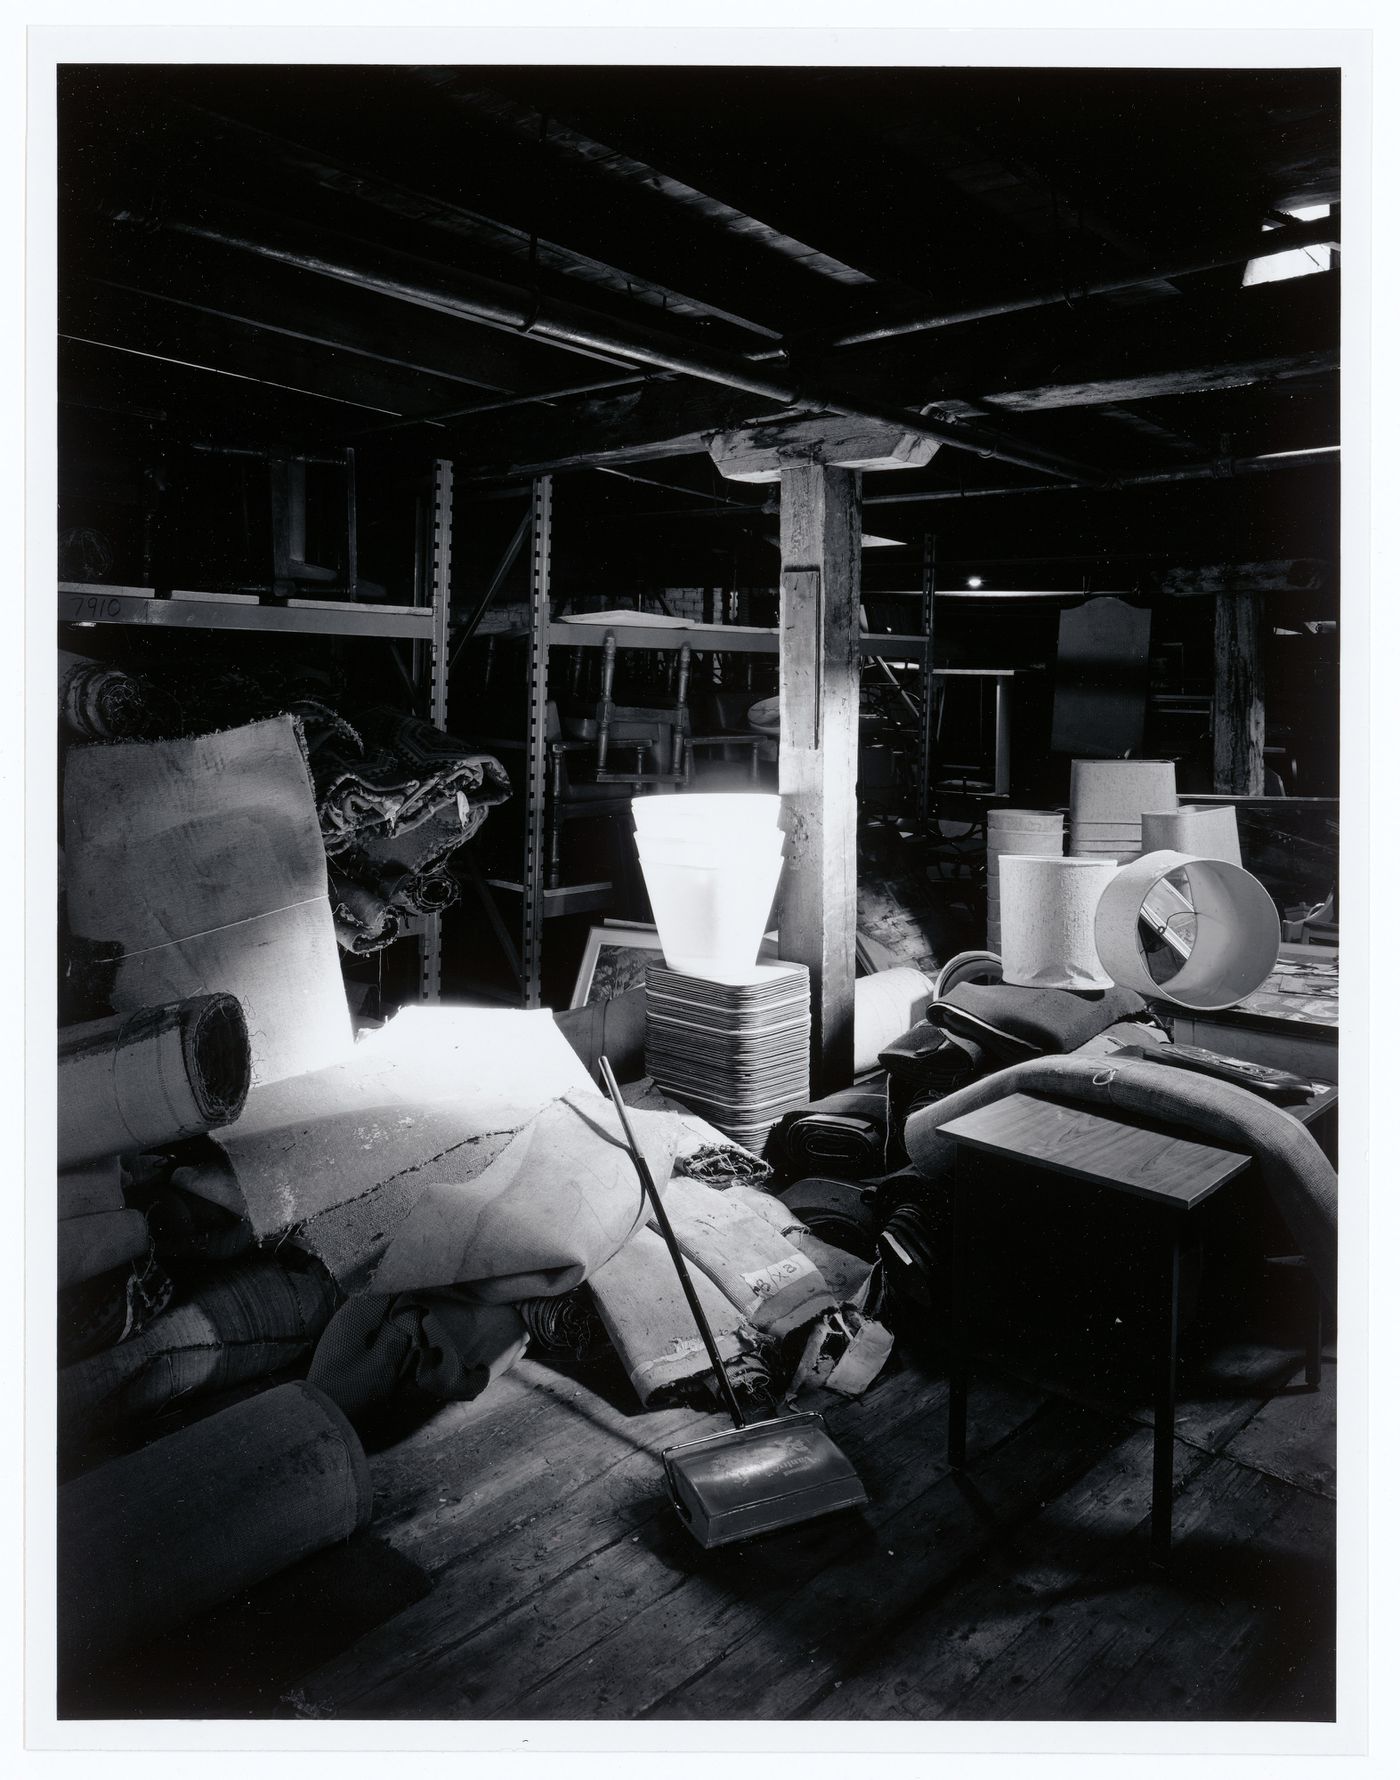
pixel 196 866
pixel 1013 1024
pixel 150 1540
pixel 409 775
pixel 558 1202
pixel 135 1081
pixel 243 1322
pixel 1299 1177
pixel 844 1135
pixel 430 1346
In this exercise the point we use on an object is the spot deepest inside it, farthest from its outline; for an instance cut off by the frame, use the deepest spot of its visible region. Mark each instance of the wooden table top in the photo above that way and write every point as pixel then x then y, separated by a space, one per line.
pixel 1091 1146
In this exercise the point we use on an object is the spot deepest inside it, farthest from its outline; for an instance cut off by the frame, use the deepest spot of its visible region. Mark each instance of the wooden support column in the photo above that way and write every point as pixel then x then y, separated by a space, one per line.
pixel 819 700
pixel 1239 694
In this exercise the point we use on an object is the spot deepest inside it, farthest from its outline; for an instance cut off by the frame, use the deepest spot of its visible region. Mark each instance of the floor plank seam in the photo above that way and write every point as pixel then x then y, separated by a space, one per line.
pixel 1293 1483
pixel 998 1533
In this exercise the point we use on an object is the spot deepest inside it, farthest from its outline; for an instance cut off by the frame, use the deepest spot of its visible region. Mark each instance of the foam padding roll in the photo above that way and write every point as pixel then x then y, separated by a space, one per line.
pixel 1236 939
pixel 1047 921
pixel 137 1081
pixel 151 1540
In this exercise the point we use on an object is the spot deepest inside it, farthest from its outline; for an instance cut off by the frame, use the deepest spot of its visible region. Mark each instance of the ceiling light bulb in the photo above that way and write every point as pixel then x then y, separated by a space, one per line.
pixel 974 580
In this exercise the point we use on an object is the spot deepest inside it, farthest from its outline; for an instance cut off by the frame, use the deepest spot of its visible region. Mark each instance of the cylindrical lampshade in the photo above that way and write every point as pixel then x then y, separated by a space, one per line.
pixel 1203 830
pixel 1236 930
pixel 1043 819
pixel 1048 905
pixel 1016 831
pixel 1120 790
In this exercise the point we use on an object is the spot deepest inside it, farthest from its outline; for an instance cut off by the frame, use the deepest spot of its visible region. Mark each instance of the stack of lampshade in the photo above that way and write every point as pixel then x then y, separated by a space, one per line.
pixel 1016 831
pixel 727 1036
pixel 711 861
pixel 1106 802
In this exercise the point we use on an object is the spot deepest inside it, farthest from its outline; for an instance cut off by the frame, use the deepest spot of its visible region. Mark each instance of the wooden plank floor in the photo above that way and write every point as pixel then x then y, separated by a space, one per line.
pixel 564 1587
pixel 526 1565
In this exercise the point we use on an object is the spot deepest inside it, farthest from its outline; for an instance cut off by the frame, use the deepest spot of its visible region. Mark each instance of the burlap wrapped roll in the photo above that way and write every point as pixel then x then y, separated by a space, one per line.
pixel 196 866
pixel 243 1322
pixel 136 1081
pixel 150 1540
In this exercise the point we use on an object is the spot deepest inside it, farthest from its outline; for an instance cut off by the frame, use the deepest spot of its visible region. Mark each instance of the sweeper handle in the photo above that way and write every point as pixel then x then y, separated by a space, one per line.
pixel 663 1223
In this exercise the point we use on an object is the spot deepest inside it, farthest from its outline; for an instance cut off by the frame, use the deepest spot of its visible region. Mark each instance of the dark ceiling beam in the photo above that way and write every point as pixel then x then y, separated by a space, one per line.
pixel 473 298
pixel 830 187
pixel 1326 231
pixel 616 171
pixel 662 420
pixel 281 301
pixel 1197 352
pixel 513 199
pixel 1151 386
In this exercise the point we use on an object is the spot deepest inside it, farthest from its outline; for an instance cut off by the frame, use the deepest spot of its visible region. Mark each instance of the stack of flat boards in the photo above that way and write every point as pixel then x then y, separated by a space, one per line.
pixel 736 1053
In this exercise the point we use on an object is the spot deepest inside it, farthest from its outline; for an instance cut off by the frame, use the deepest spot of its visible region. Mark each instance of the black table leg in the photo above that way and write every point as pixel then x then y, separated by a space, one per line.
pixel 1164 1419
pixel 957 1321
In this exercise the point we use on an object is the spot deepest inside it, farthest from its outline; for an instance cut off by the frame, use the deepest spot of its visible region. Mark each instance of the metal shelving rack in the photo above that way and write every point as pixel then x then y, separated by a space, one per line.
pixel 544 631
pixel 424 625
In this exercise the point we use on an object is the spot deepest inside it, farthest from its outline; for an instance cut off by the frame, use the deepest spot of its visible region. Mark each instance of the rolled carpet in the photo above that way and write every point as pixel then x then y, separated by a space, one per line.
pixel 95 1244
pixel 135 1081
pixel 650 1325
pixel 758 1269
pixel 101 703
pixel 843 1135
pixel 92 1186
pixel 150 1540
pixel 1012 1022
pixel 243 1322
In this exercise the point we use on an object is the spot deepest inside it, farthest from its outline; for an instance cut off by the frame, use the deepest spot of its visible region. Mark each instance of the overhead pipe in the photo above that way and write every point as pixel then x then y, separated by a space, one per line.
pixel 1324 231
pixel 473 297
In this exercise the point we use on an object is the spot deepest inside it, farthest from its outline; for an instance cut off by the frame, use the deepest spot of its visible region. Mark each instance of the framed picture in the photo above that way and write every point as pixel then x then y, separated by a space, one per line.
pixel 616 957
pixel 615 960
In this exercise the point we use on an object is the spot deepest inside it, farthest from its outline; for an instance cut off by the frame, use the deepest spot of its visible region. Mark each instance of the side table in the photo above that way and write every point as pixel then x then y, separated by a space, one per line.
pixel 1170 1174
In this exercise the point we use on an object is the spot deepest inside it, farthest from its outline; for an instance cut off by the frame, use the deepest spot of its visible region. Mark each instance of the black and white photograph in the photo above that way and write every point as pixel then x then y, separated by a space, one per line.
pixel 706 789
